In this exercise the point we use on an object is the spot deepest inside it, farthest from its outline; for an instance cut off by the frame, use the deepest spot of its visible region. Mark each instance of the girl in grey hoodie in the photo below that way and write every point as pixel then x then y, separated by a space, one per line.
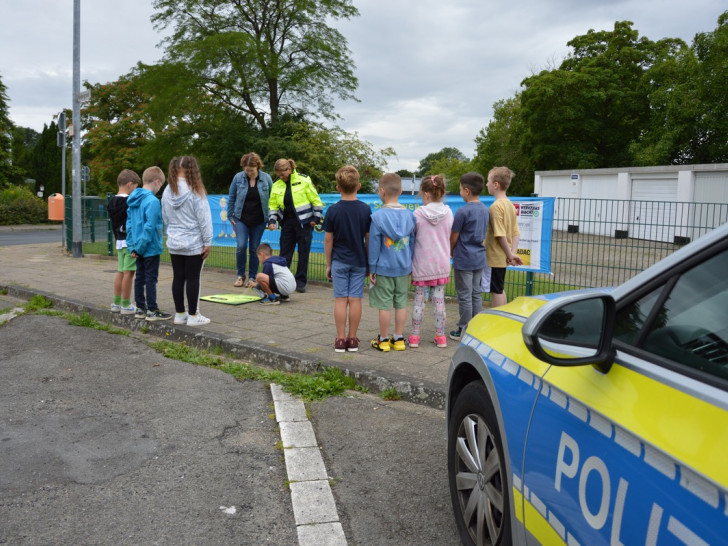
pixel 188 227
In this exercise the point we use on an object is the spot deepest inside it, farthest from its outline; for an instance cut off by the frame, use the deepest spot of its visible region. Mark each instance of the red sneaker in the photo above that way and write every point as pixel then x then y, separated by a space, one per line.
pixel 352 344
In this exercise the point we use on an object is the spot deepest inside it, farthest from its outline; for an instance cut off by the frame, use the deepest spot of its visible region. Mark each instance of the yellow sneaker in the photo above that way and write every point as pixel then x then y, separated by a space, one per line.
pixel 397 345
pixel 381 345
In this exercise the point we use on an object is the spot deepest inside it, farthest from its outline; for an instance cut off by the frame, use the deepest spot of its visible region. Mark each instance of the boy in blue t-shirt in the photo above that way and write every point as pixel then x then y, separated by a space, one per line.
pixel 467 249
pixel 346 227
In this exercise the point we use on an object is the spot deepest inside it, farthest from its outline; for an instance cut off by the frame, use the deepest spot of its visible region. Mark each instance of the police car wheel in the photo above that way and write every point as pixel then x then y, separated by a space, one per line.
pixel 476 470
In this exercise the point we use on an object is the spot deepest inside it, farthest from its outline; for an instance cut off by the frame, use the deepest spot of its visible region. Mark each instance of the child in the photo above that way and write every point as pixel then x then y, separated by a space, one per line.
pixel 144 239
pixel 431 259
pixel 188 225
pixel 391 242
pixel 345 244
pixel 468 252
pixel 275 278
pixel 127 181
pixel 501 242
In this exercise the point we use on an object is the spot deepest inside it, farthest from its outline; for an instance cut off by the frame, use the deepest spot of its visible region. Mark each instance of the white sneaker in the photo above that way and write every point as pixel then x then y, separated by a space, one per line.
pixel 180 318
pixel 197 320
pixel 115 307
pixel 128 310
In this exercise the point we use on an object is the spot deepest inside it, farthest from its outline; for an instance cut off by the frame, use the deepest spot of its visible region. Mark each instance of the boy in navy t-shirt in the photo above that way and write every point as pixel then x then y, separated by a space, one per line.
pixel 346 238
pixel 467 249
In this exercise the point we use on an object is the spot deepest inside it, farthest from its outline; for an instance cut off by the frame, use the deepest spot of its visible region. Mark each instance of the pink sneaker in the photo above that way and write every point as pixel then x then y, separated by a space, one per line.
pixel 441 341
pixel 414 341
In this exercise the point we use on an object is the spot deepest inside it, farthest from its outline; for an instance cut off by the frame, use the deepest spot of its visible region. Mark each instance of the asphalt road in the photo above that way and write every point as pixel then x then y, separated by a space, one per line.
pixel 29 237
pixel 104 441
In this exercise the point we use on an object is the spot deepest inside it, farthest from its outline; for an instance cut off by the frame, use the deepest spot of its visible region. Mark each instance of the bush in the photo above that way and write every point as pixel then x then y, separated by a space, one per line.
pixel 18 205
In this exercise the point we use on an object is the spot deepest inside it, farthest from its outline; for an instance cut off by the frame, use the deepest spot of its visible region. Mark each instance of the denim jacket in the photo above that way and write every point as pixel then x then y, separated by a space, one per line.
pixel 239 189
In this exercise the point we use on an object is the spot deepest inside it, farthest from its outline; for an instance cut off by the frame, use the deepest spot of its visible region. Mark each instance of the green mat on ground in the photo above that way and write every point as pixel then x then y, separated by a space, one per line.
pixel 232 299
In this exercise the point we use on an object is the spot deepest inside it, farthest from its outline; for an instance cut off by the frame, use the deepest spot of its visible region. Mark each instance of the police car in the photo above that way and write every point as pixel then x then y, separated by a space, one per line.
pixel 600 416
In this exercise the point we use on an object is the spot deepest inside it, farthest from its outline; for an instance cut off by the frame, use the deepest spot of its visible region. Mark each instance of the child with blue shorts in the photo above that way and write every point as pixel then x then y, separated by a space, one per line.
pixel 346 227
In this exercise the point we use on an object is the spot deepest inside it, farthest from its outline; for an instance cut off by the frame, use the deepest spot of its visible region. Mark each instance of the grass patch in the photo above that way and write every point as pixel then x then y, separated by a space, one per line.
pixel 390 394
pixel 87 321
pixel 38 303
pixel 317 386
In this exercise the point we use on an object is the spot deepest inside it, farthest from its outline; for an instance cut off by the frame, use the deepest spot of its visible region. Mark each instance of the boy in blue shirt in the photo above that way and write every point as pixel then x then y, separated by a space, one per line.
pixel 346 238
pixel 144 240
pixel 391 245
pixel 467 249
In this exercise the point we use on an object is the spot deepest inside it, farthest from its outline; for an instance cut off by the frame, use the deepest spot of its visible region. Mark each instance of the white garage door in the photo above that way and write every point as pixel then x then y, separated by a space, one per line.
pixel 654 202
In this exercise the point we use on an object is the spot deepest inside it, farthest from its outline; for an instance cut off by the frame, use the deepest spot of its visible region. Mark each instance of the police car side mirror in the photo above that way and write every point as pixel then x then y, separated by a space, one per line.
pixel 573 330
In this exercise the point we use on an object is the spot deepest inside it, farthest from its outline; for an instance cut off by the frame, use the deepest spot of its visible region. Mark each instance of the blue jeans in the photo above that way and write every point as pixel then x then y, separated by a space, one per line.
pixel 470 302
pixel 146 278
pixel 248 238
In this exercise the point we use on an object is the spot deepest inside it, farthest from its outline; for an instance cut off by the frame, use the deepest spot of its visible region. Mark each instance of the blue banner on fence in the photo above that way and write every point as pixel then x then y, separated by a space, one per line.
pixel 535 222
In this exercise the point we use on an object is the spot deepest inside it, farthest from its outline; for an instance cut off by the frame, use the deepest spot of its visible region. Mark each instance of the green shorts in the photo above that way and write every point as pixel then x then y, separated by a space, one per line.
pixel 388 292
pixel 126 262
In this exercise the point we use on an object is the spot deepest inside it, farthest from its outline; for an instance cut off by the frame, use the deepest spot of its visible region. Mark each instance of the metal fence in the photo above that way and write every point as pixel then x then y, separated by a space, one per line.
pixel 595 242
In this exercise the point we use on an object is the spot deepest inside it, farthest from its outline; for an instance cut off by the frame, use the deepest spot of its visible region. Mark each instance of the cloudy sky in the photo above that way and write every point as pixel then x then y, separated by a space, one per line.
pixel 429 71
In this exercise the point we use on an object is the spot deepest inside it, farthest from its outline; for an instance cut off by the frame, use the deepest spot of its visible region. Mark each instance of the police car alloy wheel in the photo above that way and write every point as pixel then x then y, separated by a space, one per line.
pixel 476 470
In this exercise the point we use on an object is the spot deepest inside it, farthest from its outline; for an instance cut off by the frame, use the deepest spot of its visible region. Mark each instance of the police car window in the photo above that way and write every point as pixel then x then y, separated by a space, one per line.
pixel 631 319
pixel 691 327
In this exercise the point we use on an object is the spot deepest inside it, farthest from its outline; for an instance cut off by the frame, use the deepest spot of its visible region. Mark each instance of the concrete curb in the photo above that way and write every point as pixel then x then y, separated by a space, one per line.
pixel 421 392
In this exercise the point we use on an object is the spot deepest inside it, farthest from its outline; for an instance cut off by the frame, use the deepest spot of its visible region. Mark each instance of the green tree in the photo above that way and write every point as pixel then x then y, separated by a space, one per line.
pixel 586 113
pixel 262 58
pixel 452 169
pixel 499 144
pixel 426 164
pixel 9 174
pixel 46 161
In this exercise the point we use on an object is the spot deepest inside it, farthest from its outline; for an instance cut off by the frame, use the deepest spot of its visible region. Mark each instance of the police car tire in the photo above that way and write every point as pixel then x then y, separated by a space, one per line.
pixel 474 403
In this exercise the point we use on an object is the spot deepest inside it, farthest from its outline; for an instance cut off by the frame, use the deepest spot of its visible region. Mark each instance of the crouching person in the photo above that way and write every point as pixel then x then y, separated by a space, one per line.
pixel 276 280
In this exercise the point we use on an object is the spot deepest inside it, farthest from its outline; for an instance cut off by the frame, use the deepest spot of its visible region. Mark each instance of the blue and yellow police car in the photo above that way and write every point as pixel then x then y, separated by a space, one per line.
pixel 598 416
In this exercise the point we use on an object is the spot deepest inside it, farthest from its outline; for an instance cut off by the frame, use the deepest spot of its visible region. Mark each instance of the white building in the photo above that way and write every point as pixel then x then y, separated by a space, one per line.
pixel 674 203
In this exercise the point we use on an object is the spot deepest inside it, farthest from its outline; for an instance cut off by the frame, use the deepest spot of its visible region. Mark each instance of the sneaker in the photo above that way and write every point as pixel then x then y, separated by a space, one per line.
pixel 197 320
pixel 156 314
pixel 397 344
pixel 456 334
pixel 131 310
pixel 380 345
pixel 441 341
pixel 414 341
pixel 141 313
pixel 180 318
pixel 269 300
pixel 284 299
pixel 352 344
pixel 301 289
pixel 340 345
pixel 115 308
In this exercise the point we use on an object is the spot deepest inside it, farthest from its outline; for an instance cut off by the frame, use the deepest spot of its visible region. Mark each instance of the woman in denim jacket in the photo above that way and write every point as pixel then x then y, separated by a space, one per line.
pixel 247 210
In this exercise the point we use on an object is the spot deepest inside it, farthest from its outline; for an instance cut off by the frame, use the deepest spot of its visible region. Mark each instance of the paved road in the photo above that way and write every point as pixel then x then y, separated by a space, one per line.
pixel 107 442
pixel 29 237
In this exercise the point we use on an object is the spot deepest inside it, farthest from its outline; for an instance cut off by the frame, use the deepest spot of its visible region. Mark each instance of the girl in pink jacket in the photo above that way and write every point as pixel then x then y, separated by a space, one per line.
pixel 431 259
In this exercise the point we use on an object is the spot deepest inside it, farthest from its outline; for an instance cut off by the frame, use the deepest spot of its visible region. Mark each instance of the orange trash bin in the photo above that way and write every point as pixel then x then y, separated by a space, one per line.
pixel 55 206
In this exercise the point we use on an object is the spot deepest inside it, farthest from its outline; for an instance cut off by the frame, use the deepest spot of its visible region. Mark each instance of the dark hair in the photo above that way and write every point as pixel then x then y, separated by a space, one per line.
pixel 434 185
pixel 473 181
pixel 126 176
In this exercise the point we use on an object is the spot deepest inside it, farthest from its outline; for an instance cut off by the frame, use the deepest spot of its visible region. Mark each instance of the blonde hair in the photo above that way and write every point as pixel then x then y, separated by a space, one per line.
pixel 283 163
pixel 434 185
pixel 501 175
pixel 347 178
pixel 188 164
pixel 152 174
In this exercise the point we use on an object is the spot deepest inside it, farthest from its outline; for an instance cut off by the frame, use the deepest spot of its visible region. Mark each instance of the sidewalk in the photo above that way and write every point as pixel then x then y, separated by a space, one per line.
pixel 297 336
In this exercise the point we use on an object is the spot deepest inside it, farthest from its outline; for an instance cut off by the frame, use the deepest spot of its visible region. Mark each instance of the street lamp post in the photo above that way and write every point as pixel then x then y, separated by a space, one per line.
pixel 62 145
pixel 77 250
